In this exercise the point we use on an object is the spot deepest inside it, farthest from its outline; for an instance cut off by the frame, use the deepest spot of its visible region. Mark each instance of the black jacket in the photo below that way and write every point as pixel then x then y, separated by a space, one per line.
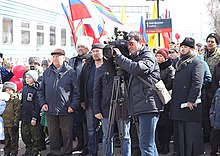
pixel 167 73
pixel 59 90
pixel 84 78
pixel 102 90
pixel 142 98
pixel 30 108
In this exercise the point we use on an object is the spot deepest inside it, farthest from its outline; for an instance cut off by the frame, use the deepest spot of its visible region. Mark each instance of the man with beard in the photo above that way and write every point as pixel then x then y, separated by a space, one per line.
pixel 83 47
pixel 186 107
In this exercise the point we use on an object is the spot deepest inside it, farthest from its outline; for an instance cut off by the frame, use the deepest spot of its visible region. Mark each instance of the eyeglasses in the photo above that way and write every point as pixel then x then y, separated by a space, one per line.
pixel 171 52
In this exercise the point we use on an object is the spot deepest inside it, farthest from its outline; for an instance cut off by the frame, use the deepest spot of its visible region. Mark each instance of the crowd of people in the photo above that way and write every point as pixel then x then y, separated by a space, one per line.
pixel 73 99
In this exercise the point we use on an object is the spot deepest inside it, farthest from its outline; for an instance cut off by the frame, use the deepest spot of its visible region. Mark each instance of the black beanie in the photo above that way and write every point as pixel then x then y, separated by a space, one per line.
pixel 188 41
pixel 214 35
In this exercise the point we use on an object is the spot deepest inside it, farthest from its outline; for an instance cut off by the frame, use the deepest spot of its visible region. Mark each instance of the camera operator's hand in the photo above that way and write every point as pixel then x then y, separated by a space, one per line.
pixel 99 116
pixel 116 51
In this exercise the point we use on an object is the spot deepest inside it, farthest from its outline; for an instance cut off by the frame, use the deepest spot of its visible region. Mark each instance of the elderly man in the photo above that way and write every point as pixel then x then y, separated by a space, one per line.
pixel 59 97
pixel 143 100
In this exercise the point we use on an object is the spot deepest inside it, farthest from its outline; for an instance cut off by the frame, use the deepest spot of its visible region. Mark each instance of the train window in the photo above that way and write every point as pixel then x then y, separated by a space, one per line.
pixel 52 35
pixel 71 39
pixel 25 33
pixel 40 35
pixel 63 37
pixel 7 30
pixel 25 25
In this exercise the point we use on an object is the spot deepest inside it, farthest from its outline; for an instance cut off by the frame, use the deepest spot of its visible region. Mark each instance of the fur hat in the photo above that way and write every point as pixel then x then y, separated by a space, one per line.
pixel 163 52
pixel 189 42
pixel 33 74
pixel 10 85
pixel 214 35
pixel 85 41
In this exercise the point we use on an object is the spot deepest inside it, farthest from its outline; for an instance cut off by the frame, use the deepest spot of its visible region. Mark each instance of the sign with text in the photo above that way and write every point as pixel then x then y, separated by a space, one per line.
pixel 158 25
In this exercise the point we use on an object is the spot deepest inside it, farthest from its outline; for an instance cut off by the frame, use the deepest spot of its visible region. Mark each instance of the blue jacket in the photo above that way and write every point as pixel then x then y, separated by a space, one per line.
pixel 215 111
pixel 59 90
pixel 142 98
pixel 5 75
pixel 30 108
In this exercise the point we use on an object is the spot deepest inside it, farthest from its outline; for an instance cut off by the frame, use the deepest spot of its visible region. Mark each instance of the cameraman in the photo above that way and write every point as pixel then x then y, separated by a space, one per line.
pixel 143 100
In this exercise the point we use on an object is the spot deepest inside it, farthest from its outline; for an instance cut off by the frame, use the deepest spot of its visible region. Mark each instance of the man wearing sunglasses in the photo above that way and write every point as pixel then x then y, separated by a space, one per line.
pixel 143 100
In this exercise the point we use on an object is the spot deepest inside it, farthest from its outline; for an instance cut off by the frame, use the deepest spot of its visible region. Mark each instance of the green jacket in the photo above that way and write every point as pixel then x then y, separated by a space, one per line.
pixel 12 112
pixel 213 59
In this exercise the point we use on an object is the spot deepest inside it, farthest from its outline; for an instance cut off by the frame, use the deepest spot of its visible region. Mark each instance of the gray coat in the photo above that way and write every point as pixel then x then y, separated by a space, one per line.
pixel 142 98
pixel 187 88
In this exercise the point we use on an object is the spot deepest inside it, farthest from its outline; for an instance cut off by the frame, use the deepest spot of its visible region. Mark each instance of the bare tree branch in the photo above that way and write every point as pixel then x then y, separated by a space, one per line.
pixel 214 11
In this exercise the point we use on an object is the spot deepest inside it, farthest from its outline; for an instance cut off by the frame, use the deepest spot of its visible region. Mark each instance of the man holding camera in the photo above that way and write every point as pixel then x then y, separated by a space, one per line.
pixel 143 100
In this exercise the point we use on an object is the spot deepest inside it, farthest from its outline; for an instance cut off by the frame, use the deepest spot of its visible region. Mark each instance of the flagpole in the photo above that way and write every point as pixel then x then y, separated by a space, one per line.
pixel 158 15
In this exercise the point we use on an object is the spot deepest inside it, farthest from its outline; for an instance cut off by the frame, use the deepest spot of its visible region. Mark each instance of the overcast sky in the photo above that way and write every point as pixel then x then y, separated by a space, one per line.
pixel 189 17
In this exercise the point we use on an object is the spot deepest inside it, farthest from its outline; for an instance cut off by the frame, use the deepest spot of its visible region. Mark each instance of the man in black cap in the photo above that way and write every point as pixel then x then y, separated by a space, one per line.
pixel 212 57
pixel 187 84
pixel 59 97
pixel 86 96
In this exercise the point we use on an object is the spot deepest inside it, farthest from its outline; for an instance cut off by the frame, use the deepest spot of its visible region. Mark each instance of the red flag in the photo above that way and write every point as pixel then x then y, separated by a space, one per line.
pixel 166 40
pixel 89 32
pixel 78 10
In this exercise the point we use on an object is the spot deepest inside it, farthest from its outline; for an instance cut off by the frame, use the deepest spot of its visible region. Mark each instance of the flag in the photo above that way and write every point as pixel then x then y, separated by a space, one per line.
pixel 71 24
pixel 166 40
pixel 80 29
pixel 89 32
pixel 143 31
pixel 78 10
pixel 153 38
pixel 123 17
pixel 96 21
pixel 166 36
pixel 105 11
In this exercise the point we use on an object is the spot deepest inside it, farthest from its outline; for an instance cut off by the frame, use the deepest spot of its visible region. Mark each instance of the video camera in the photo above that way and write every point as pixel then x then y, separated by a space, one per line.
pixel 120 42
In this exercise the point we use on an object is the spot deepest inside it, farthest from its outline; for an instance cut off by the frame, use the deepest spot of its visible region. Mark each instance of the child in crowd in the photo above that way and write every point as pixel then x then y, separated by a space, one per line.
pixel 11 117
pixel 215 123
pixel 30 115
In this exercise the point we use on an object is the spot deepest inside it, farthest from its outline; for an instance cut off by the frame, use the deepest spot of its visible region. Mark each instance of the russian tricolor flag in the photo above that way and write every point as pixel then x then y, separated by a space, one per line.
pixel 143 32
pixel 78 10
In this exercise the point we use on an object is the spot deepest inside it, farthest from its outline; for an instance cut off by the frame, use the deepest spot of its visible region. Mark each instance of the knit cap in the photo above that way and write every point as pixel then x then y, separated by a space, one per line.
pixel 33 74
pixel 163 52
